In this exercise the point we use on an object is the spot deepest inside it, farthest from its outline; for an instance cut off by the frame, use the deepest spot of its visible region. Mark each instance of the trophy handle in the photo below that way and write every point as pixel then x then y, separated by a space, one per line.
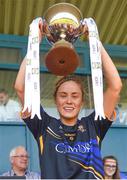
pixel 46 32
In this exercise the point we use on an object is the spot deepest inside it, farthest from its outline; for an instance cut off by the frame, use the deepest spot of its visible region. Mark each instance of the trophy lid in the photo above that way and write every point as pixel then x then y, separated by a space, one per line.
pixel 63 13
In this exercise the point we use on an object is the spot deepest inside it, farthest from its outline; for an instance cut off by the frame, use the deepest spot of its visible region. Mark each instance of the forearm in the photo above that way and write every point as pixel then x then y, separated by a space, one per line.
pixel 110 72
pixel 20 81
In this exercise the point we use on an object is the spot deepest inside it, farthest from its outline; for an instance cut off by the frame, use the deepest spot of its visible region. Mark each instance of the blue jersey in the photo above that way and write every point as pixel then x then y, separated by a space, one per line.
pixel 69 152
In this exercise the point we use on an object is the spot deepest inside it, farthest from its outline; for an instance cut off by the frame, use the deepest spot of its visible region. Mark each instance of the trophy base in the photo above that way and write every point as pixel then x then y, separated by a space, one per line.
pixel 62 59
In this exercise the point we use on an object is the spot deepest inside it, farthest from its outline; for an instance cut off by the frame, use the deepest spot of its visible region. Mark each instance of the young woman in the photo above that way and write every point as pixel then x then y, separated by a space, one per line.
pixel 111 169
pixel 68 147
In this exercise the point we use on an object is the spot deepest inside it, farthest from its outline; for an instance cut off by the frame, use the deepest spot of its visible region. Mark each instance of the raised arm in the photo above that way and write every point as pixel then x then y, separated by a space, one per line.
pixel 20 80
pixel 113 83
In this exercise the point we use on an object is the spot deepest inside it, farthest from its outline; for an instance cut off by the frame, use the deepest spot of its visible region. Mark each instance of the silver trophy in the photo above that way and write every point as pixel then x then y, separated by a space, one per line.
pixel 62 27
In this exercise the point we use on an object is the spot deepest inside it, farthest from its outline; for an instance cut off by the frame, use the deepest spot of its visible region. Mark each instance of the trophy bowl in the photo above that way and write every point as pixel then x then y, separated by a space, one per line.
pixel 63 27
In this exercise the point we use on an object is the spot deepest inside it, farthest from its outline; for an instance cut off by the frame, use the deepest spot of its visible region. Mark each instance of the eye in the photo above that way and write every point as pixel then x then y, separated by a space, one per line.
pixel 63 95
pixel 75 95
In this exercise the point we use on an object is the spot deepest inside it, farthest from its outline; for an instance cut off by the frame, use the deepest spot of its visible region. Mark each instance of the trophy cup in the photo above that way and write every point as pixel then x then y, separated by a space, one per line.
pixel 63 27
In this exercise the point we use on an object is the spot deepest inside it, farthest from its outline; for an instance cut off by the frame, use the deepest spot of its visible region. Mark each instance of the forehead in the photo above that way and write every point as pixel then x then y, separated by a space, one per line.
pixel 69 85
pixel 21 151
pixel 110 161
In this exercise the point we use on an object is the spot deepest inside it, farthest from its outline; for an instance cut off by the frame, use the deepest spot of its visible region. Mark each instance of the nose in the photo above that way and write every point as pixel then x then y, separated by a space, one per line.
pixel 69 100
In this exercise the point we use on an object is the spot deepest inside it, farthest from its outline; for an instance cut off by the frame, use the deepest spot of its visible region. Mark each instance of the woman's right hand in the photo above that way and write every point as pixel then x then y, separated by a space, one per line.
pixel 40 30
pixel 43 26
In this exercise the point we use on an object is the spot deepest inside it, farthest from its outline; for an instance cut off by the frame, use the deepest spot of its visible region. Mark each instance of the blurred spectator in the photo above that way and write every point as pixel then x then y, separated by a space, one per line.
pixel 111 169
pixel 9 109
pixel 19 164
pixel 121 114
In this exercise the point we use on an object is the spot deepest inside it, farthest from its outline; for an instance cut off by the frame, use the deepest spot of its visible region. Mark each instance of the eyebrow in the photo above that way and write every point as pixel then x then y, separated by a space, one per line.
pixel 63 92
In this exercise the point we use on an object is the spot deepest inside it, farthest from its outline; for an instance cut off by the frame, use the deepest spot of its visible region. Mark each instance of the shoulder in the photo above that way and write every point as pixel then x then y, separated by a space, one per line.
pixel 33 175
pixel 89 117
pixel 90 121
pixel 13 102
pixel 6 173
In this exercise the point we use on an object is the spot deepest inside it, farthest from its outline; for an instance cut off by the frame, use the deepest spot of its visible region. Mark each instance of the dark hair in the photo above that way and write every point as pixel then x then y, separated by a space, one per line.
pixel 116 175
pixel 74 78
pixel 2 90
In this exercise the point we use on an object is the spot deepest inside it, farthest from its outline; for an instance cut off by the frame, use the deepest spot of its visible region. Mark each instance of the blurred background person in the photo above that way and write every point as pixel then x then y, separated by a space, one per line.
pixel 19 160
pixel 111 168
pixel 9 109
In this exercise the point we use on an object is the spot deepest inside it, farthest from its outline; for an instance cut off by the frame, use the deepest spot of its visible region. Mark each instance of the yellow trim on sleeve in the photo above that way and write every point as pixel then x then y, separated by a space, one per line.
pixel 98 139
pixel 41 143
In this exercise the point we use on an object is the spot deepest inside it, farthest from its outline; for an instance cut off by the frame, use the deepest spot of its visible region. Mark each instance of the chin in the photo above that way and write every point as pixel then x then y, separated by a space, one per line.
pixel 69 118
pixel 24 167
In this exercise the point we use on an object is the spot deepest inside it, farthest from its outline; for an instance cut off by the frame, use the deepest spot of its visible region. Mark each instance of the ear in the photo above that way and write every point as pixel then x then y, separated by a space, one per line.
pixel 11 160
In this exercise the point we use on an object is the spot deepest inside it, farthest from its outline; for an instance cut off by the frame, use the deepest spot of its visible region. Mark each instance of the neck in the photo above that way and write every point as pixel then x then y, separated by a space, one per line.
pixel 108 177
pixel 69 122
pixel 19 172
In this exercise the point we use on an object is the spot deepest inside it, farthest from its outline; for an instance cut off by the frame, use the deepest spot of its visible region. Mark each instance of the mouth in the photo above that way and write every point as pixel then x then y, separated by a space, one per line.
pixel 68 109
